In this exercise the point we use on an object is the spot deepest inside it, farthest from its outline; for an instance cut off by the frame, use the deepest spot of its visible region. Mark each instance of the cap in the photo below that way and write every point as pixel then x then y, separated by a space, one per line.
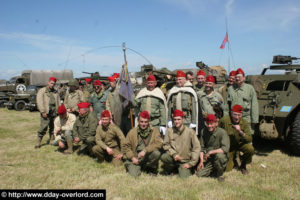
pixel 237 108
pixel 53 79
pixel 97 82
pixel 180 74
pixel 240 71
pixel 73 82
pixel 145 114
pixel 83 105
pixel 210 118
pixel 116 75
pixel 88 80
pixel 177 113
pixel 111 79
pixel 61 109
pixel 210 78
pixel 232 73
pixel 200 72
pixel 151 78
pixel 105 113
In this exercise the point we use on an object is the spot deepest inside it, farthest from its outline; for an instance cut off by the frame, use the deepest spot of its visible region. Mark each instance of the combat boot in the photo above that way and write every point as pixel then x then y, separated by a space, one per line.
pixel 38 143
pixel 70 147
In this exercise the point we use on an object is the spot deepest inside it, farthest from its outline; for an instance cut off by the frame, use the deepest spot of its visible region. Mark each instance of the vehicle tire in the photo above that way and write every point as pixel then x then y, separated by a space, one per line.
pixel 2 103
pixel 294 136
pixel 20 105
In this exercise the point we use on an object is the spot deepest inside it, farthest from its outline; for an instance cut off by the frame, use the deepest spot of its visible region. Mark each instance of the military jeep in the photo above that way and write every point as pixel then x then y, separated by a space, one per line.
pixel 278 96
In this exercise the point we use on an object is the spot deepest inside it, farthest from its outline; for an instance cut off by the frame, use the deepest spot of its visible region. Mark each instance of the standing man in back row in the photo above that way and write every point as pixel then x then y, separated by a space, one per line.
pixel 47 102
pixel 73 97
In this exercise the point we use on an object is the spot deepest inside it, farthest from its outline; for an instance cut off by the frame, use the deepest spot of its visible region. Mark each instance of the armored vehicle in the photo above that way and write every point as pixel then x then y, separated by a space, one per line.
pixel 279 101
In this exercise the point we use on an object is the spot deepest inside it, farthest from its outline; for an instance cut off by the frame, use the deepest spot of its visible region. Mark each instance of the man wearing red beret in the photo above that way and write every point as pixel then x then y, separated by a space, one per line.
pixel 211 101
pixel 243 94
pixel 231 80
pixel 200 81
pixel 183 97
pixel 47 102
pixel 142 147
pixel 63 129
pixel 153 100
pixel 88 88
pixel 240 136
pixel 84 128
pixel 98 99
pixel 182 148
pixel 109 140
pixel 214 149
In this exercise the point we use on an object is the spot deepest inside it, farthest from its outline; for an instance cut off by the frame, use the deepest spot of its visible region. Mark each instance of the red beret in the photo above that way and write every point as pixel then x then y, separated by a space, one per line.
pixel 232 73
pixel 210 78
pixel 83 105
pixel 88 80
pixel 237 108
pixel 210 118
pixel 116 75
pixel 180 74
pixel 201 72
pixel 240 71
pixel 151 78
pixel 61 109
pixel 97 82
pixel 53 79
pixel 111 79
pixel 105 113
pixel 145 114
pixel 177 113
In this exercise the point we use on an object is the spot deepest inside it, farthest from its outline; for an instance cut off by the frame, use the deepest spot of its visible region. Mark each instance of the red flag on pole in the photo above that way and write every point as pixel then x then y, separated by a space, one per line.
pixel 224 41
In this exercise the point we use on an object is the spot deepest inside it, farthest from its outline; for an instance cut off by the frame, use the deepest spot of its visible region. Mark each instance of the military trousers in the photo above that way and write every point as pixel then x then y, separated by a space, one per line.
pixel 44 123
pixel 87 145
pixel 102 155
pixel 170 166
pixel 149 163
pixel 214 166
pixel 246 157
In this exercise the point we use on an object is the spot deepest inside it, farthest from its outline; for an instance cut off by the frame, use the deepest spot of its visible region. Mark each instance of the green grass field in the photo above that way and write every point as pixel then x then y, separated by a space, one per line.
pixel 23 167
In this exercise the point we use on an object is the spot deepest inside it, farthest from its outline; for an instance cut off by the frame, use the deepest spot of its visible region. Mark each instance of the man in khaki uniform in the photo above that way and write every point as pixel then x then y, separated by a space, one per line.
pixel 182 148
pixel 47 102
pixel 183 97
pixel 141 147
pixel 153 100
pixel 231 80
pixel 63 129
pixel 210 99
pixel 200 81
pixel 243 94
pixel 111 95
pixel 98 99
pixel 84 128
pixel 109 140
pixel 214 148
pixel 73 97
pixel 87 89
pixel 240 138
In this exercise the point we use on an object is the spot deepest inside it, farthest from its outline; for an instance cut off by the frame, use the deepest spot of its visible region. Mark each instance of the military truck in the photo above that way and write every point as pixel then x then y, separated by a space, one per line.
pixel 278 96
pixel 22 90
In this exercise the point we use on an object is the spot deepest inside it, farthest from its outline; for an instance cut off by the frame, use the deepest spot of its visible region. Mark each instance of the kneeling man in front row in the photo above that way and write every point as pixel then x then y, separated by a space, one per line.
pixel 141 148
pixel 182 148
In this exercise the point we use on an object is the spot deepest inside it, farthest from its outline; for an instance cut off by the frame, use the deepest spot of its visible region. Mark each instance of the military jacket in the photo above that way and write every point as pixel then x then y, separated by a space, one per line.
pixel 111 136
pixel 235 137
pixel 87 91
pixel 98 103
pixel 208 101
pixel 183 142
pixel 132 141
pixel 217 139
pixel 110 101
pixel 47 99
pixel 73 98
pixel 198 88
pixel 85 126
pixel 246 97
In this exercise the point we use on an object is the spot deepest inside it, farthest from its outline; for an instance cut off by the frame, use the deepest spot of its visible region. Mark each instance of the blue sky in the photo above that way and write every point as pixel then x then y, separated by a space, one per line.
pixel 86 35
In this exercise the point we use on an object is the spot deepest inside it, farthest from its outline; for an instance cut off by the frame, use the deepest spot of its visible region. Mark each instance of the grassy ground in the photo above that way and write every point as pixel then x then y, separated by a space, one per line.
pixel 23 167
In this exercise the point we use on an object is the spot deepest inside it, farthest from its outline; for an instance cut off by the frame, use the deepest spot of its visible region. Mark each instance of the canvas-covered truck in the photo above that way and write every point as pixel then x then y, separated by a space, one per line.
pixel 22 91
pixel 278 95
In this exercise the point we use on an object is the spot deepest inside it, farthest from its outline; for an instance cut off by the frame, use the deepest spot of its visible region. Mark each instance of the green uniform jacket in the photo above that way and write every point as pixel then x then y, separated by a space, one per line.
pixel 246 97
pixel 85 126
pixel 97 103
pixel 236 139
pixel 183 142
pixel 110 101
pixel 198 88
pixel 43 99
pixel 87 91
pixel 131 142
pixel 207 102
pixel 73 98
pixel 217 139
pixel 111 137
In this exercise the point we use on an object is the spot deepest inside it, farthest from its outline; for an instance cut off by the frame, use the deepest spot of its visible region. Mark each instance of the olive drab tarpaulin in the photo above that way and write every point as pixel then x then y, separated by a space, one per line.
pixel 41 77
pixel 126 89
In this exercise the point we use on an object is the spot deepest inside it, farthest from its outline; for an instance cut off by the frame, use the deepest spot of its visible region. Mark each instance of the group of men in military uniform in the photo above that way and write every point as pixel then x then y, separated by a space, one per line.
pixel 186 129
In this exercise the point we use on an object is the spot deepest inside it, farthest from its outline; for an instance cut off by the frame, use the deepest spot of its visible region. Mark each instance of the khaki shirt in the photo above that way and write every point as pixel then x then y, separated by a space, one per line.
pixel 216 140
pixel 132 141
pixel 208 101
pixel 43 99
pixel 63 124
pixel 235 137
pixel 85 126
pixel 198 88
pixel 246 97
pixel 184 143
pixel 111 137
pixel 73 98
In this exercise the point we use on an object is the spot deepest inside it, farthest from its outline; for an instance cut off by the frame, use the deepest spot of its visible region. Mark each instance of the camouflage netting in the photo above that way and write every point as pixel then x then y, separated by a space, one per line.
pixel 41 77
